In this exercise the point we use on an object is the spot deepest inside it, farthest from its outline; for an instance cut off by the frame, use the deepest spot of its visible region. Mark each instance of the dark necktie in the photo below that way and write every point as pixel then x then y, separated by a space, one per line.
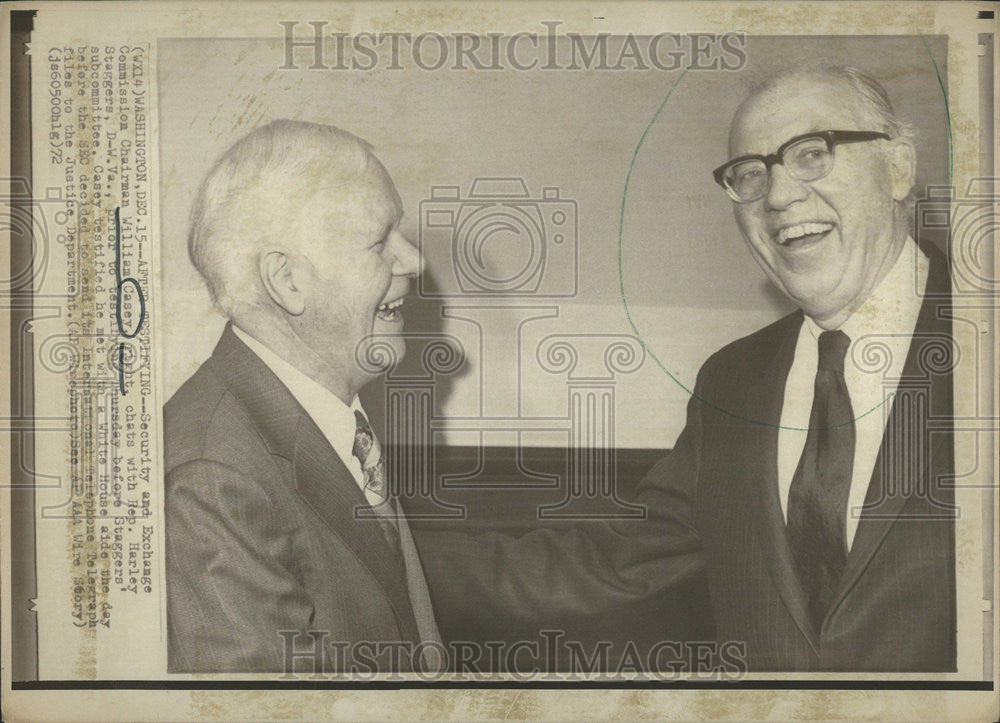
pixel 817 498
pixel 369 454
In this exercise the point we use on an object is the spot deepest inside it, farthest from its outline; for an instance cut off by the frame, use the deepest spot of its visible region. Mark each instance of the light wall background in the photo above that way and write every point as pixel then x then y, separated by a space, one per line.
pixel 689 284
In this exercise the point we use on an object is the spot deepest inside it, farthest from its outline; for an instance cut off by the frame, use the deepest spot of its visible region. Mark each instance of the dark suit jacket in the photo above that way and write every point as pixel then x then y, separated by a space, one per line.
pixel 260 531
pixel 713 504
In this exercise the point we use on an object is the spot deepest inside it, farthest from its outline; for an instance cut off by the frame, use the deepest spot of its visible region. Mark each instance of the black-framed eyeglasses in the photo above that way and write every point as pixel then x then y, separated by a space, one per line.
pixel 808 157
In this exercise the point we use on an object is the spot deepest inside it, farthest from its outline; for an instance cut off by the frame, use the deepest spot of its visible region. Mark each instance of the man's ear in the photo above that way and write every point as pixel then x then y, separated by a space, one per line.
pixel 902 167
pixel 276 274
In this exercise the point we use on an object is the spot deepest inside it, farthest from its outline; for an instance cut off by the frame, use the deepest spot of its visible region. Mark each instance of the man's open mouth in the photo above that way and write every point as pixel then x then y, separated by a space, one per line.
pixel 802 234
pixel 391 310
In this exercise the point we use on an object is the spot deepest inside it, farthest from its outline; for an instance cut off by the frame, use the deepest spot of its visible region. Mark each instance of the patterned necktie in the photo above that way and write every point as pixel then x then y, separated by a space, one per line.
pixel 817 498
pixel 369 453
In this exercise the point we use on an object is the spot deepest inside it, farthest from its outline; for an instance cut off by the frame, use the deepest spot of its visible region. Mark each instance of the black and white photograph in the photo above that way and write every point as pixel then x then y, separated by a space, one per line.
pixel 511 361
pixel 799 519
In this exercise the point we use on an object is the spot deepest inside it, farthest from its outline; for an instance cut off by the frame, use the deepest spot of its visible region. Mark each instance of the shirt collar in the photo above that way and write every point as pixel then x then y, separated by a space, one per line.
pixel 891 310
pixel 334 418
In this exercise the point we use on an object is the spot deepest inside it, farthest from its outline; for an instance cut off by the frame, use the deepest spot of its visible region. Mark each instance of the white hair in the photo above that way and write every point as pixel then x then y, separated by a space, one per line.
pixel 878 107
pixel 252 192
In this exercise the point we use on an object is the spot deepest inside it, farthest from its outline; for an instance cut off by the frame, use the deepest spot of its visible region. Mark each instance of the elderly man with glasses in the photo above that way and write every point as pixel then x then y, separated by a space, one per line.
pixel 811 481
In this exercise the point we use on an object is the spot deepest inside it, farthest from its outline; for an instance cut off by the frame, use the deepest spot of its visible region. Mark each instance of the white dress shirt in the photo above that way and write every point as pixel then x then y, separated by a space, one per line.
pixel 880 331
pixel 334 418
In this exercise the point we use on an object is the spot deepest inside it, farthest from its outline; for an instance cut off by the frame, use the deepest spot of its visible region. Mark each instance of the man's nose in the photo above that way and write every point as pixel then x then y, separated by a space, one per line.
pixel 784 190
pixel 407 260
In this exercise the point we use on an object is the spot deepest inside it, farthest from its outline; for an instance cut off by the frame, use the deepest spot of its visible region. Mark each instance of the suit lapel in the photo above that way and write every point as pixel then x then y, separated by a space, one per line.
pixel 764 400
pixel 904 454
pixel 331 491
pixel 319 475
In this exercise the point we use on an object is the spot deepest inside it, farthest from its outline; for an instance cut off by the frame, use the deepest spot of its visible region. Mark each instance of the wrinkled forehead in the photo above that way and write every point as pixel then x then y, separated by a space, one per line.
pixel 793 105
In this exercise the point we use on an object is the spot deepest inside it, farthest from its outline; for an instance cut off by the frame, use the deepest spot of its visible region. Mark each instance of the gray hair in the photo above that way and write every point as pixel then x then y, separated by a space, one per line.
pixel 877 108
pixel 252 190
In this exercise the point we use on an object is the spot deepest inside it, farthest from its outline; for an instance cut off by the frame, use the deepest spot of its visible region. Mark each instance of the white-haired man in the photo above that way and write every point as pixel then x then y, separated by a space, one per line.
pixel 810 484
pixel 285 546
